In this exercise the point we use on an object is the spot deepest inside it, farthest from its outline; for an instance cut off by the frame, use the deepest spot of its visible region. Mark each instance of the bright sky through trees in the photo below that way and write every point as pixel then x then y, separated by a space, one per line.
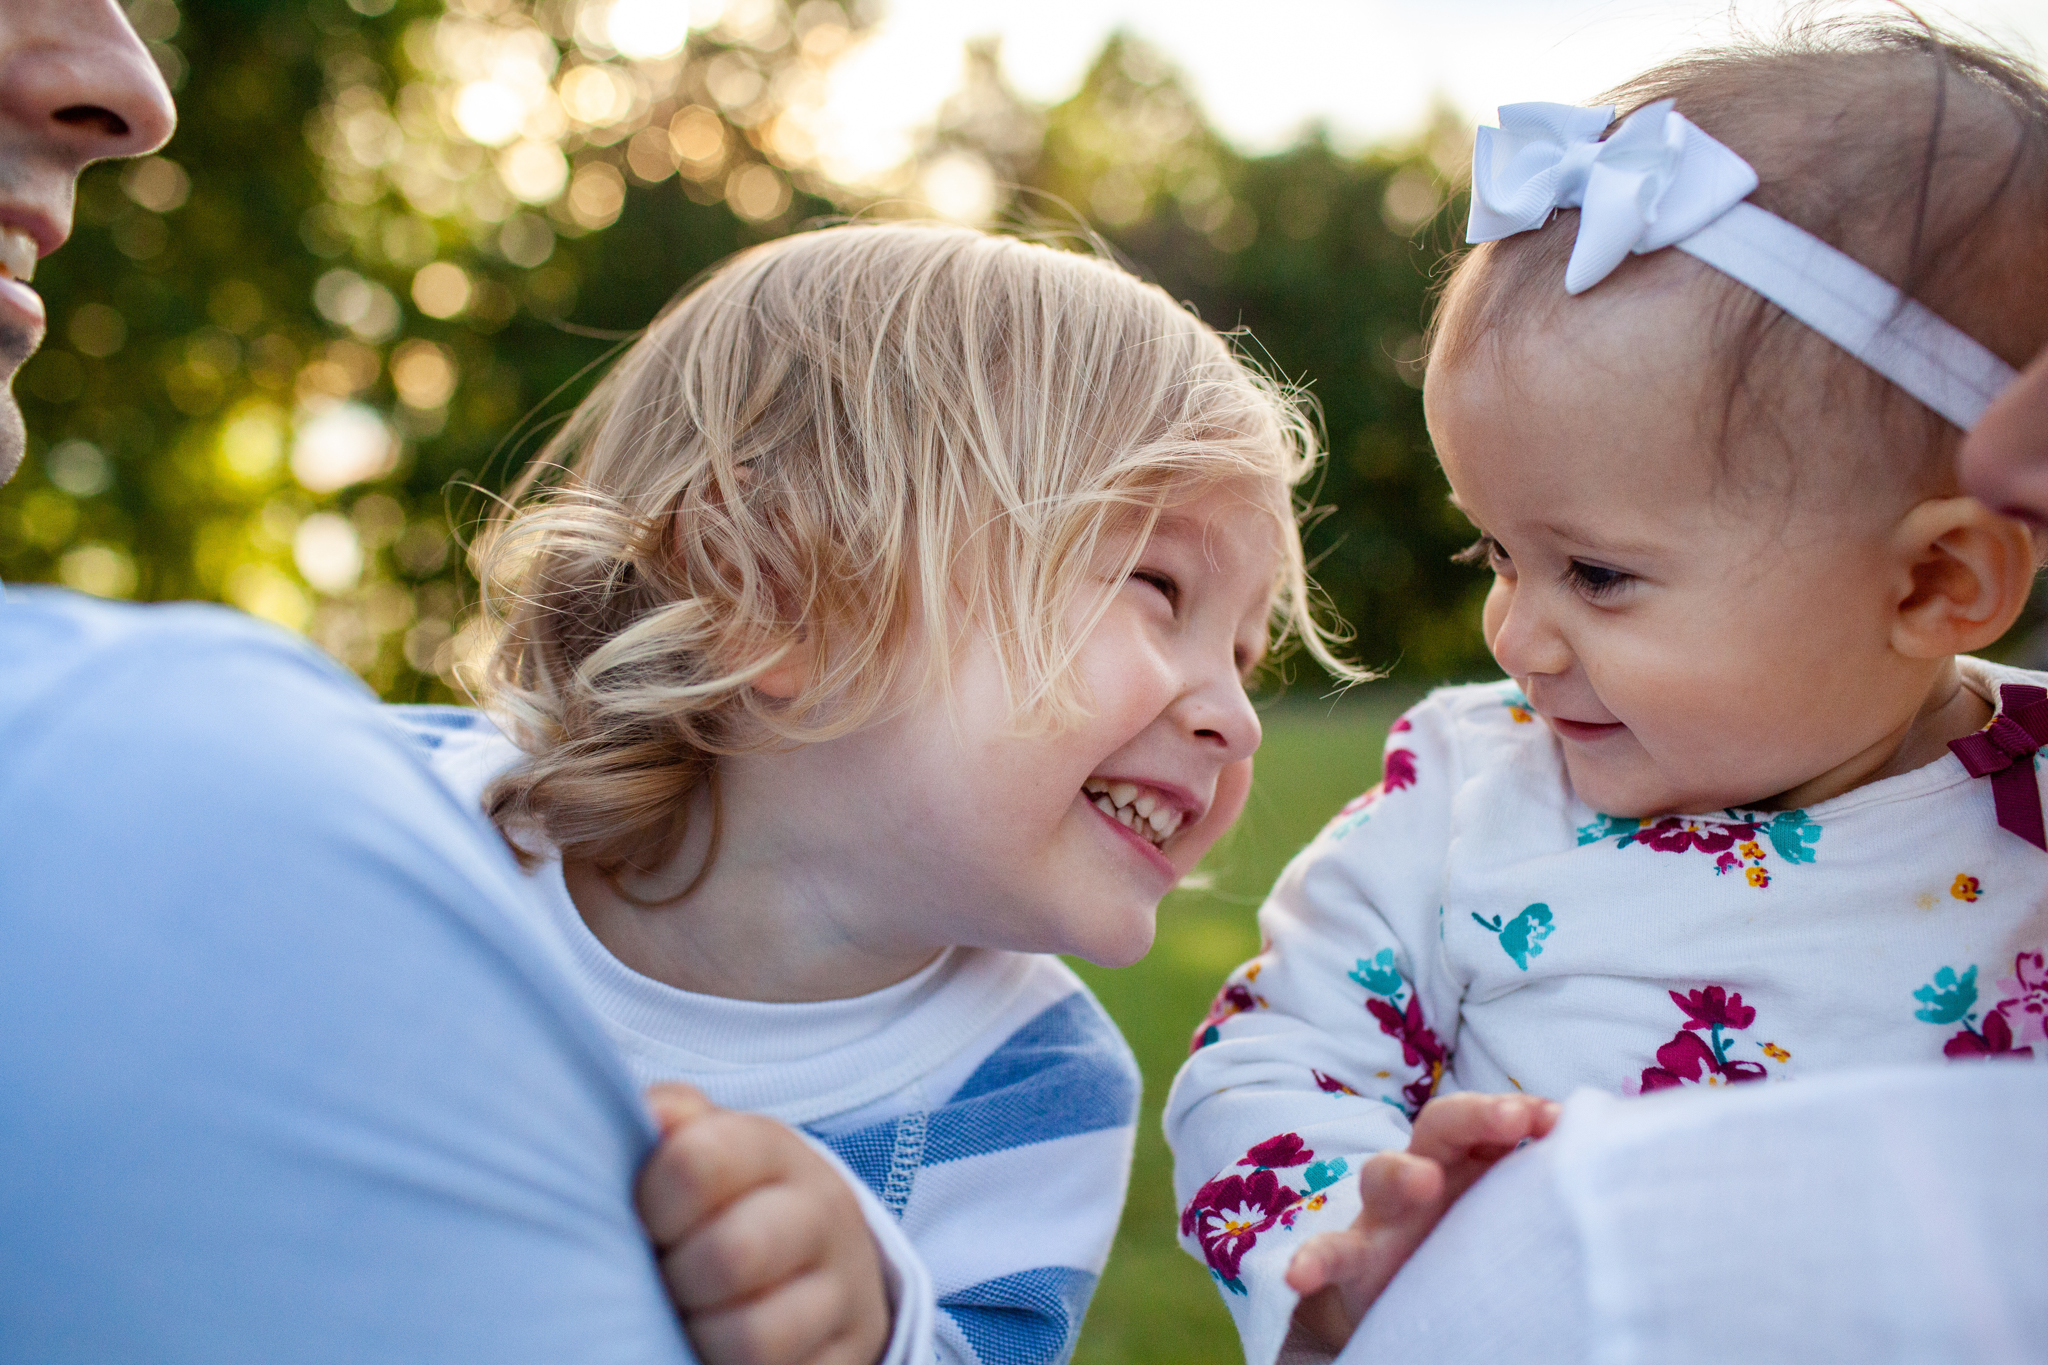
pixel 1370 69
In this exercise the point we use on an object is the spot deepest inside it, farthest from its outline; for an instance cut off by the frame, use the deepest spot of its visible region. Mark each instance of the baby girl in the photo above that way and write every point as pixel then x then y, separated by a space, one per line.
pixel 1745 811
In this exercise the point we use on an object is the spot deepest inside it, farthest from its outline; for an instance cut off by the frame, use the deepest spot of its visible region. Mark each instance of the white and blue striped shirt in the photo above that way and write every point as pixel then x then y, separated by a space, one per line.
pixel 987 1101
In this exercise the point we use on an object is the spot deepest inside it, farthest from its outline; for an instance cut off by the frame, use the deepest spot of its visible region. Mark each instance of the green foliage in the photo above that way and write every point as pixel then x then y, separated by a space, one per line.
pixel 291 357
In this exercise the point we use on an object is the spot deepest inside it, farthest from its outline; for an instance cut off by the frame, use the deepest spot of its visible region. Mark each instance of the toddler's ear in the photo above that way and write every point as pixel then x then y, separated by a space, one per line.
pixel 784 678
pixel 1967 571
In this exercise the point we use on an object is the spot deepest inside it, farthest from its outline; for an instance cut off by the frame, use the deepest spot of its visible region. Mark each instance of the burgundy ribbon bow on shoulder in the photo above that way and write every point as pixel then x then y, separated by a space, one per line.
pixel 2004 752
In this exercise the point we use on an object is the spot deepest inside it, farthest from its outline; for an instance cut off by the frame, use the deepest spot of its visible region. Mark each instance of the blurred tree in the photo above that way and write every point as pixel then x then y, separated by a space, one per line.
pixel 1326 261
pixel 388 231
pixel 275 347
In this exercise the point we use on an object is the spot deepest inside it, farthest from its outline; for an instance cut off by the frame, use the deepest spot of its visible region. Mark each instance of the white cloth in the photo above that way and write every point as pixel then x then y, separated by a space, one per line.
pixel 1889 1215
pixel 985 1107
pixel 1470 925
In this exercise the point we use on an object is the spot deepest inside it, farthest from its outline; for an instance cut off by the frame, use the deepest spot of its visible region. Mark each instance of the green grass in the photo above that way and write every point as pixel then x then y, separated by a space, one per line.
pixel 1155 1304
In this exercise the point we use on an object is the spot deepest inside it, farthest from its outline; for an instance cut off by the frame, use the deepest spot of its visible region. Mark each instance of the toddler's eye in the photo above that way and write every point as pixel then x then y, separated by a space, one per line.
pixel 1596 580
pixel 1487 552
pixel 1168 589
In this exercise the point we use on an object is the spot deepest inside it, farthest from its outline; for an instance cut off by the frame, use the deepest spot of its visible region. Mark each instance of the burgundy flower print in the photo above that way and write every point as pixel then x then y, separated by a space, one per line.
pixel 1689 1057
pixel 1401 726
pixel 1994 1040
pixel 1277 1152
pixel 1227 1215
pixel 1714 1008
pixel 1385 989
pixel 1419 1047
pixel 2009 1026
pixel 2025 1006
pixel 1235 998
pixel 1736 843
pixel 1675 834
pixel 1330 1085
pixel 1400 770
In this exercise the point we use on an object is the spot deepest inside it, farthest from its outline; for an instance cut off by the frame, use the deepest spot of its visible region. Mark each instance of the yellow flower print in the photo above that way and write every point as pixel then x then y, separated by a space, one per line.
pixel 1759 877
pixel 1751 850
pixel 1775 1053
pixel 1521 714
pixel 1965 887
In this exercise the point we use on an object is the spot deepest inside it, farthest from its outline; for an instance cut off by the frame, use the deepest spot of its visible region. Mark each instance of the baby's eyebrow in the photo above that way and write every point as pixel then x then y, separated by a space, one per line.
pixel 1573 533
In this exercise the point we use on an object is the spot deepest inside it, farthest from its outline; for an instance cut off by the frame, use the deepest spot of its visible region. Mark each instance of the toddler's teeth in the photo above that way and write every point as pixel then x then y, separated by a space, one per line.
pixel 18 254
pixel 1123 793
pixel 1147 804
pixel 1159 819
pixel 1103 804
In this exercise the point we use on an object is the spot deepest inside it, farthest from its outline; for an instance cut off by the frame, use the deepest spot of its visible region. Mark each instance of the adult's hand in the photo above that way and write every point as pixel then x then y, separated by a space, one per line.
pixel 2004 461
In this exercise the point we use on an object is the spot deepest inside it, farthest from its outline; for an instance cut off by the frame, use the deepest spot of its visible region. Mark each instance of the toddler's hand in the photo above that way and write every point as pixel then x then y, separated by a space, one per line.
pixel 762 1243
pixel 1456 1139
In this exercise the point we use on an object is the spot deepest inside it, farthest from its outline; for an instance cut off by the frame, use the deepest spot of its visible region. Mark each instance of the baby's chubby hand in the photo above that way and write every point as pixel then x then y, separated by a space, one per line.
pixel 1456 1139
pixel 761 1241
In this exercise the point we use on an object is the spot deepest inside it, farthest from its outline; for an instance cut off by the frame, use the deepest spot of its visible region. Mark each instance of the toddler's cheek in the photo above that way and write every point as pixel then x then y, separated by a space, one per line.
pixel 1233 786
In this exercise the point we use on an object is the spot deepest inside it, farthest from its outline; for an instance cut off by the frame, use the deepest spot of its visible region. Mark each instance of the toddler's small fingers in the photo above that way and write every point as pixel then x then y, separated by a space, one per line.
pixel 782 1327
pixel 704 1165
pixel 767 1237
pixel 674 1104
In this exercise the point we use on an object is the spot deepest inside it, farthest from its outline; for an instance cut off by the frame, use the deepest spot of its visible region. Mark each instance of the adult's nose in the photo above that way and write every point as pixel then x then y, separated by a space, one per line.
pixel 77 85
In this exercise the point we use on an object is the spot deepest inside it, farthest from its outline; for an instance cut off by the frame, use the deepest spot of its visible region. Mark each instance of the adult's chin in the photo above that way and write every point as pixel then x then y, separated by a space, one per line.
pixel 17 344
pixel 13 434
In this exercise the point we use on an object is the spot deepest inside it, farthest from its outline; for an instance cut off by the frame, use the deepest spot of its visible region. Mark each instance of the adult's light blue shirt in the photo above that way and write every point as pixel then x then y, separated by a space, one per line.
pixel 279 1080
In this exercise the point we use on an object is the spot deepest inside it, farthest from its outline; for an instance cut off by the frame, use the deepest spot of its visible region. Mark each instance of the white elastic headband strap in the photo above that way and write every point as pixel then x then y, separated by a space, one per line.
pixel 1659 181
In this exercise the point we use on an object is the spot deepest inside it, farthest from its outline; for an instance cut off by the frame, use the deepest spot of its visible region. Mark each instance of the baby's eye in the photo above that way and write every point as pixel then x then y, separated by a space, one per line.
pixel 1596 580
pixel 1485 551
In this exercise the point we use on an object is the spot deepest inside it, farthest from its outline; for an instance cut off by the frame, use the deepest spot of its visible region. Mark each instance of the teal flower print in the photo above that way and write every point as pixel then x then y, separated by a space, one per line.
pixel 1606 827
pixel 1379 975
pixel 1793 836
pixel 1521 937
pixel 1948 997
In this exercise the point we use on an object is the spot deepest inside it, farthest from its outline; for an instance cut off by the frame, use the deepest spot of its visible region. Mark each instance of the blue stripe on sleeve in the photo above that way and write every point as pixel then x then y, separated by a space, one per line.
pixel 1065 1072
pixel 1030 1318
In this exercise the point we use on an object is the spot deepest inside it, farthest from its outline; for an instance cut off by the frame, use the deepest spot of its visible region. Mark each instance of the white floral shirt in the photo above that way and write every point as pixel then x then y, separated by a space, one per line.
pixel 1468 924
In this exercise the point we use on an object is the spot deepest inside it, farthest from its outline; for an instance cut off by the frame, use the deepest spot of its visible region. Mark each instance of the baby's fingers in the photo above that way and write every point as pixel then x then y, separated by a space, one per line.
pixel 1487 1127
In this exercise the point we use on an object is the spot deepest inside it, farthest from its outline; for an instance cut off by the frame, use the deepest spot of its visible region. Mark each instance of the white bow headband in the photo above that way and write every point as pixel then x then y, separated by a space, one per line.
pixel 1660 181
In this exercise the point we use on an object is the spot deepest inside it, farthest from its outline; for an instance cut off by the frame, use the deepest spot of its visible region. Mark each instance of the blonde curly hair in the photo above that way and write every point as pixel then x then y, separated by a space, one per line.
pixel 868 439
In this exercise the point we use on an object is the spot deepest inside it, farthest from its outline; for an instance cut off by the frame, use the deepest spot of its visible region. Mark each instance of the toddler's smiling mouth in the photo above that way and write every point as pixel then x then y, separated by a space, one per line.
pixel 1145 811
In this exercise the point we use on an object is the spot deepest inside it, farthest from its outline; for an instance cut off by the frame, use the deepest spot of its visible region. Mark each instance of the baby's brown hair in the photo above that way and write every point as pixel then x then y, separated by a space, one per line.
pixel 1923 156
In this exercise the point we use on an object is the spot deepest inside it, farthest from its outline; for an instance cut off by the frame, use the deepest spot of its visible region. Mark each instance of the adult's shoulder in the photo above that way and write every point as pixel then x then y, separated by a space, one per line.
pixel 266 1026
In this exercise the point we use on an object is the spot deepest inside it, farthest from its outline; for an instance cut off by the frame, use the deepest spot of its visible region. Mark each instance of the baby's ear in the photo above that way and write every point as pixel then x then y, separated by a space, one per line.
pixel 1967 572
